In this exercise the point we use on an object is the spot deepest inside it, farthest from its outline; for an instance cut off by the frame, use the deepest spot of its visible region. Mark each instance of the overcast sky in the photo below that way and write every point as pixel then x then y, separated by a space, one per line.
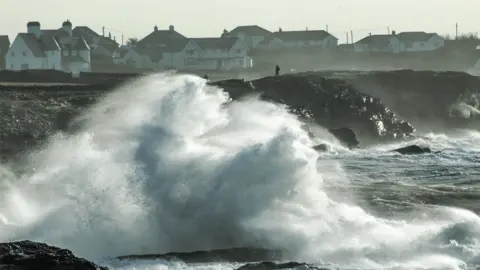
pixel 196 18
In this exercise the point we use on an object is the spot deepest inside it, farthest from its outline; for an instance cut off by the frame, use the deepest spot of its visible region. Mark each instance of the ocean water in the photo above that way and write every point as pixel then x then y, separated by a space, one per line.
pixel 167 164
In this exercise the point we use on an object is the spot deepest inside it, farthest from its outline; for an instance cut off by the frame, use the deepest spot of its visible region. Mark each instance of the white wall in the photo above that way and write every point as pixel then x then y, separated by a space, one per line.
pixel 433 43
pixel 85 55
pixel 19 54
pixel 250 41
pixel 394 46
pixel 54 60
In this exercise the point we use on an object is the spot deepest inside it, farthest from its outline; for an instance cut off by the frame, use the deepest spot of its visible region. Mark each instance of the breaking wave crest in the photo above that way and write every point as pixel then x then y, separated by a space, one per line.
pixel 168 163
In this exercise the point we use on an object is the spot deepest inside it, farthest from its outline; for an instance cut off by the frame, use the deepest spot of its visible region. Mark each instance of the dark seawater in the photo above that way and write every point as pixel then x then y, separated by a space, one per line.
pixel 165 165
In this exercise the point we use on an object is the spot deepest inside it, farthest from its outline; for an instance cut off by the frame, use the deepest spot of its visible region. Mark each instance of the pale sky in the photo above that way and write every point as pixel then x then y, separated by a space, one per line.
pixel 208 18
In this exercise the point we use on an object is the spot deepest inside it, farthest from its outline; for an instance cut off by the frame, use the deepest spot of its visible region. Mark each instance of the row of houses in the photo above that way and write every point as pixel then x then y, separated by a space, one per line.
pixel 75 49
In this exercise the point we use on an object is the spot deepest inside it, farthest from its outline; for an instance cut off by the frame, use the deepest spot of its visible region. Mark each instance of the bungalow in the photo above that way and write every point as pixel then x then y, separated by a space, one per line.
pixel 378 43
pixel 49 49
pixel 419 41
pixel 250 35
pixel 4 45
pixel 300 39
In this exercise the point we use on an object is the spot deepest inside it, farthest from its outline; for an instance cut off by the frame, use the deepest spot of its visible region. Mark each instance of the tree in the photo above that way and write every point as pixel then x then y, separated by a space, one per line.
pixel 132 42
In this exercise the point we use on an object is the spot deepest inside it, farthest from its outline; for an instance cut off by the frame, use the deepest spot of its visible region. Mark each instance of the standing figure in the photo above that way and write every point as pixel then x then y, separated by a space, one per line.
pixel 277 70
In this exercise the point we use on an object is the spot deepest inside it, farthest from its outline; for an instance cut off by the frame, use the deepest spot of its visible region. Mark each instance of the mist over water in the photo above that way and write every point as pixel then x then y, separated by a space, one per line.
pixel 168 163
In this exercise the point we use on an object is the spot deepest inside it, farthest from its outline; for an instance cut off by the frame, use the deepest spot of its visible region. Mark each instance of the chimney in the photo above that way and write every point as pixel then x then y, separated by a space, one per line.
pixel 34 28
pixel 109 35
pixel 393 33
pixel 369 34
pixel 280 29
pixel 67 27
pixel 225 31
pixel 171 28
pixel 155 28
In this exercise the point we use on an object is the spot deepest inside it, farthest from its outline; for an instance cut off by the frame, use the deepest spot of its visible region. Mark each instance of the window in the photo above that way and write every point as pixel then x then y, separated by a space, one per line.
pixel 24 66
pixel 239 50
pixel 11 66
pixel 190 52
pixel 65 53
pixel 74 52
pixel 24 53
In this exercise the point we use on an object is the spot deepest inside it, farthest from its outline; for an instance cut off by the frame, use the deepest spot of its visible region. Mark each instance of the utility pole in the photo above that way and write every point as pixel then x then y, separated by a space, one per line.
pixel 122 39
pixel 456 31
pixel 351 36
pixel 346 33
pixel 326 27
pixel 103 31
pixel 388 30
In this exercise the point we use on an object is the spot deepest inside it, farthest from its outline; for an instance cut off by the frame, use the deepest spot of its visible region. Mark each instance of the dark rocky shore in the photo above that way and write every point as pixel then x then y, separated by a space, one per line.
pixel 377 106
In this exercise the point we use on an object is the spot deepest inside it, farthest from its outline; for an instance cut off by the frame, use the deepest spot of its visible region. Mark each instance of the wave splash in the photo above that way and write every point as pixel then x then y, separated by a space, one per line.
pixel 167 163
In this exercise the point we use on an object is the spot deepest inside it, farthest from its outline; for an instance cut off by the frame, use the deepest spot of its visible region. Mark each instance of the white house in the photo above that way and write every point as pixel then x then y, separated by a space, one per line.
pixel 301 39
pixel 419 41
pixel 100 46
pixel 250 35
pixel 476 69
pixel 49 49
pixel 218 54
pixel 378 43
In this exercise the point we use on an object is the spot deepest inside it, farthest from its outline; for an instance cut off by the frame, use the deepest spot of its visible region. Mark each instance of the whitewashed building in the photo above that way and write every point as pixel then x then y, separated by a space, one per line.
pixel 170 50
pixel 401 42
pixel 300 39
pixel 49 49
pixel 378 43
pixel 218 54
pixel 249 35
pixel 419 41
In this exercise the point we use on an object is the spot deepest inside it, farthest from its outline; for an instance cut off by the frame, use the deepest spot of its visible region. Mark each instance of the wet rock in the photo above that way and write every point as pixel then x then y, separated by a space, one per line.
pixel 346 136
pixel 328 102
pixel 321 147
pixel 219 255
pixel 278 266
pixel 27 255
pixel 412 150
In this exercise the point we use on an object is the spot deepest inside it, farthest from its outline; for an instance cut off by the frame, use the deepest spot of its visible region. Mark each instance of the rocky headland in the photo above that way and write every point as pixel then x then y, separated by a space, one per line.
pixel 376 106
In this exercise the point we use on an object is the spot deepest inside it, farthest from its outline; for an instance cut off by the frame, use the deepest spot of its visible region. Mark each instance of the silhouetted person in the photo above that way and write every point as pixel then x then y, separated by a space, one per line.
pixel 277 70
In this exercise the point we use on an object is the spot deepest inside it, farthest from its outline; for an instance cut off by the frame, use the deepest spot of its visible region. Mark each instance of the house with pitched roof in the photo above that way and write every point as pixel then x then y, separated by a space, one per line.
pixel 4 45
pixel 148 52
pixel 100 46
pixel 419 41
pixel 301 39
pixel 378 43
pixel 249 35
pixel 55 49
pixel 218 54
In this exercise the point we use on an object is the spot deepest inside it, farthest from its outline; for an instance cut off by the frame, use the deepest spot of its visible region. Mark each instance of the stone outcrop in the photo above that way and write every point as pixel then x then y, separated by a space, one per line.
pixel 330 102
pixel 27 255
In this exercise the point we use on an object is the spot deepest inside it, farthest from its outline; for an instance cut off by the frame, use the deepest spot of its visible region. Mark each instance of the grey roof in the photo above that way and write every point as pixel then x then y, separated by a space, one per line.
pixel 155 52
pixel 379 41
pixel 302 35
pixel 215 43
pixel 78 43
pixel 4 44
pixel 160 37
pixel 36 46
pixel 251 30
pixel 408 38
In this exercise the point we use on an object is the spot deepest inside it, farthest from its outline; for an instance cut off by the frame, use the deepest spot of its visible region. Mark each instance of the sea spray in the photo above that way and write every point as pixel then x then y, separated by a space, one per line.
pixel 168 163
